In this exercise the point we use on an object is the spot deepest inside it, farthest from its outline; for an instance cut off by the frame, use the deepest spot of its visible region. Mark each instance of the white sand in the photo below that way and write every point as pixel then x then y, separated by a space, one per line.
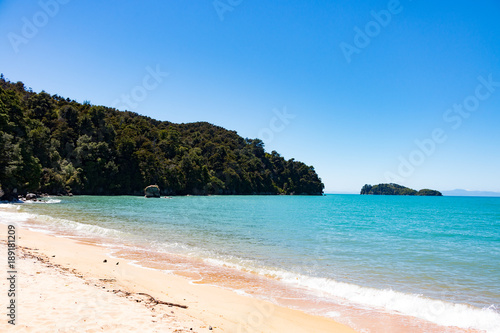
pixel 51 299
pixel 64 286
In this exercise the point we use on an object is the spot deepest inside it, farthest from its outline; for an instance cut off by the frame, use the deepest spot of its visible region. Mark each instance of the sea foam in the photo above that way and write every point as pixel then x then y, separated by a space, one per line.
pixel 11 215
pixel 436 311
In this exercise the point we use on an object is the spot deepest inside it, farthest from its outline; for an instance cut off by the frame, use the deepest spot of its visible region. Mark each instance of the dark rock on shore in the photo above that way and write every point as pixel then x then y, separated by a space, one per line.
pixel 31 196
pixel 152 191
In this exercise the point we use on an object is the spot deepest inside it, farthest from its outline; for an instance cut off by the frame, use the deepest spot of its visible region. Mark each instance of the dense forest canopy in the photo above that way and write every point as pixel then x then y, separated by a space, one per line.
pixel 54 145
pixel 395 189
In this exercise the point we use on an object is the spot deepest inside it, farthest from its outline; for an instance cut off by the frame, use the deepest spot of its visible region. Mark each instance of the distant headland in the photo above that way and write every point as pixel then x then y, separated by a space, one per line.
pixel 55 145
pixel 395 189
pixel 469 193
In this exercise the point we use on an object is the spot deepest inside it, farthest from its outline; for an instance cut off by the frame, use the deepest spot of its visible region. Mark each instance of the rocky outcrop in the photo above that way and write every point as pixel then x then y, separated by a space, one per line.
pixel 152 191
pixel 31 196
pixel 9 196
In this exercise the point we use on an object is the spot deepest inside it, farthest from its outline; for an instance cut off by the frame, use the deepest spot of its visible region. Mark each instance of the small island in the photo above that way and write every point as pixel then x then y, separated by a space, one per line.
pixel 395 189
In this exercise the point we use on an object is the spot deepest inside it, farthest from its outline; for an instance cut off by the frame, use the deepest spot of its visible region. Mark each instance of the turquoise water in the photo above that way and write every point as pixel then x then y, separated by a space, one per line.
pixel 434 258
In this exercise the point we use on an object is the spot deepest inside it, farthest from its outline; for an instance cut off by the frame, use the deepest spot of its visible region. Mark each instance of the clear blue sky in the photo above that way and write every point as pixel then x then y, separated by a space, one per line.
pixel 358 101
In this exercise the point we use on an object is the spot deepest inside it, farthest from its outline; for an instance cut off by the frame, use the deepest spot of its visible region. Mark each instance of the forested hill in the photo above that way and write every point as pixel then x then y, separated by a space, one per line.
pixel 54 145
pixel 395 189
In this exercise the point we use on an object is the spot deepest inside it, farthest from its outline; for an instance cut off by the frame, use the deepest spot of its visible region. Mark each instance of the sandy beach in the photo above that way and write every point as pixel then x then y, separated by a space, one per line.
pixel 64 285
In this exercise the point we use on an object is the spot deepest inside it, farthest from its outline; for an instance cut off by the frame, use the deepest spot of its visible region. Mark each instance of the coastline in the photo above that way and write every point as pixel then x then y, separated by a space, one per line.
pixel 78 280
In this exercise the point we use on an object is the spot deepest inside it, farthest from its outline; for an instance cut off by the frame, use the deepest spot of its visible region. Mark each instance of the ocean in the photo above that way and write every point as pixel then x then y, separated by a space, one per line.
pixel 376 263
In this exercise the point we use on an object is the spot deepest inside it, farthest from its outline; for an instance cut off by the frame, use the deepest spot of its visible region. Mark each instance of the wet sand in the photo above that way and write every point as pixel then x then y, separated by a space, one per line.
pixel 67 285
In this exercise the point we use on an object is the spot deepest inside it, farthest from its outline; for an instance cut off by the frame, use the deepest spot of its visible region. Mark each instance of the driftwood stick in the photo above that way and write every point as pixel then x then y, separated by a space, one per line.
pixel 162 302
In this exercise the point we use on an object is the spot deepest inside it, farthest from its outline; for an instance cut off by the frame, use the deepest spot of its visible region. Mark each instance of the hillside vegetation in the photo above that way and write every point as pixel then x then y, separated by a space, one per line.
pixel 55 145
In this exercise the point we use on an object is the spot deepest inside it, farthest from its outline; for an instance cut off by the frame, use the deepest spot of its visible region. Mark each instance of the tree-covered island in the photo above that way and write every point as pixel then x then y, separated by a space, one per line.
pixel 395 189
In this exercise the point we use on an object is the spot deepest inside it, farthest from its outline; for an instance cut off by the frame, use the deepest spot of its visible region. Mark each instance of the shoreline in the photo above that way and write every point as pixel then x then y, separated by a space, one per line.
pixel 270 289
pixel 207 305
